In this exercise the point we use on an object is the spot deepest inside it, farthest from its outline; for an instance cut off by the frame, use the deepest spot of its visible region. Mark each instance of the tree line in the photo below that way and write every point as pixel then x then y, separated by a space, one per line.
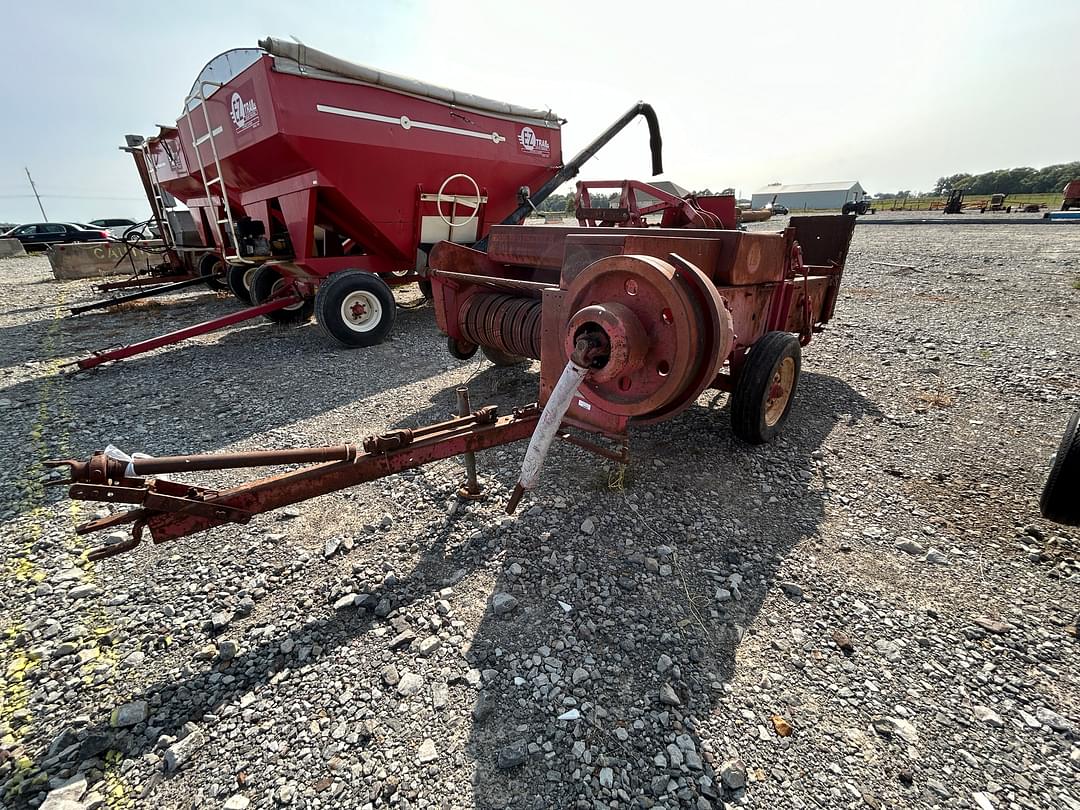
pixel 1025 180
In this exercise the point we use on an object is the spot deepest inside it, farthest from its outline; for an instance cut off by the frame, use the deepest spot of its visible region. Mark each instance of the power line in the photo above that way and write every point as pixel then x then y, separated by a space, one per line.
pixel 68 197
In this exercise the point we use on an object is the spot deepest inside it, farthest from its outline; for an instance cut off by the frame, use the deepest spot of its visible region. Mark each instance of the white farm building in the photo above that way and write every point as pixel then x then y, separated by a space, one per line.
pixel 801 196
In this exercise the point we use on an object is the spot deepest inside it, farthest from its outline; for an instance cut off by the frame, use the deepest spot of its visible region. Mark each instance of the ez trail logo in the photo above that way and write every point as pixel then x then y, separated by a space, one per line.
pixel 244 114
pixel 532 145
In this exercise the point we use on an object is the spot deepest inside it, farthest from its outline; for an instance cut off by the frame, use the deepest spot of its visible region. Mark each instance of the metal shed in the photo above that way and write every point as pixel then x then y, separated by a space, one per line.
pixel 809 196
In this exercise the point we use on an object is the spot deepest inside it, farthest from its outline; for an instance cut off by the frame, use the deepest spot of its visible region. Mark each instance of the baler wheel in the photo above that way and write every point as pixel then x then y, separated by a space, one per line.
pixel 209 266
pixel 1060 500
pixel 355 308
pixel 238 279
pixel 460 350
pixel 765 388
pixel 267 283
pixel 501 358
pixel 425 288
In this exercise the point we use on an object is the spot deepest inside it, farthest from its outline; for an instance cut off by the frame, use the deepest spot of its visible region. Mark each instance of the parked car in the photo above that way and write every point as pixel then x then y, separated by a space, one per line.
pixel 119 228
pixel 39 235
pixel 778 209
pixel 115 227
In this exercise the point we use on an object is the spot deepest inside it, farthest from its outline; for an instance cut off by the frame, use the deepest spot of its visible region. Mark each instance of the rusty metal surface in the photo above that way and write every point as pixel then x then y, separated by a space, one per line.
pixel 715 341
pixel 824 239
pixel 543 246
pixel 471 490
pixel 809 299
pixel 505 322
pixel 668 319
pixel 171 510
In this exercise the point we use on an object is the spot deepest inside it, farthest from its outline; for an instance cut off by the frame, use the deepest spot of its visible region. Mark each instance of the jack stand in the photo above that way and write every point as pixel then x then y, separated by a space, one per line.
pixel 471 490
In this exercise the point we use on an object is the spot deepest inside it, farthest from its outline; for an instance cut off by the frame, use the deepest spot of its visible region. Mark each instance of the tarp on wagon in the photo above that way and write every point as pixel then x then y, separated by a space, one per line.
pixel 307 60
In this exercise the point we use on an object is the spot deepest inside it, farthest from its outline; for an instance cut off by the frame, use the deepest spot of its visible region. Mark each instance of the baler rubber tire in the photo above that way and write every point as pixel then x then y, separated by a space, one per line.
pixel 502 359
pixel 425 288
pixel 1060 501
pixel 454 347
pixel 207 267
pixel 755 381
pixel 262 290
pixel 234 278
pixel 331 296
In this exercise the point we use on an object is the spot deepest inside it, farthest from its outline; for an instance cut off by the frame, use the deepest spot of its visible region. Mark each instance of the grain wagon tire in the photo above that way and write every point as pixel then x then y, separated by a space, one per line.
pixel 501 358
pixel 266 283
pixel 355 308
pixel 425 288
pixel 238 278
pixel 1060 500
pixel 459 349
pixel 209 266
pixel 765 388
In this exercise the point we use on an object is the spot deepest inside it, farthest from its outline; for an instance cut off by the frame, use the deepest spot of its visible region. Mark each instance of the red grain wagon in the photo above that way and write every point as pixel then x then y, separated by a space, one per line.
pixel 321 181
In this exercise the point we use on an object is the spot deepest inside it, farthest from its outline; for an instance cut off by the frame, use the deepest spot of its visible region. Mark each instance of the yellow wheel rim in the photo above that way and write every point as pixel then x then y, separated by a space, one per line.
pixel 779 391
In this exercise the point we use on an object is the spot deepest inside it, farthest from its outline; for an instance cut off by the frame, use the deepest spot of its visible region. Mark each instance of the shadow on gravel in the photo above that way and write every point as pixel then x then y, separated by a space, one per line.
pixel 158 391
pixel 167 404
pixel 621 619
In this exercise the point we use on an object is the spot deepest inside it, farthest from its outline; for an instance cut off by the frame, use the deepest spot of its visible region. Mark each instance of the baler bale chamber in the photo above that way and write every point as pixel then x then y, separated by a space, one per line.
pixel 670 308
pixel 630 326
pixel 321 182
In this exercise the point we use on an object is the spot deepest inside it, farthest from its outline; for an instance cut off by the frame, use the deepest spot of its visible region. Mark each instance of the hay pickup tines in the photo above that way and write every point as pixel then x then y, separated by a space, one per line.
pixel 630 326
pixel 320 182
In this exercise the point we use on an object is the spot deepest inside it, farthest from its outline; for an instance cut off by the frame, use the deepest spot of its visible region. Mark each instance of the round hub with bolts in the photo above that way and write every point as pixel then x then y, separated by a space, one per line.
pixel 355 308
pixel 361 311
pixel 667 329
pixel 783 383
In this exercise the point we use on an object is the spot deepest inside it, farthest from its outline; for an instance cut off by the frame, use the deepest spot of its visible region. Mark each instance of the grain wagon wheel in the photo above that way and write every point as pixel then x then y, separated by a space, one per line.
pixel 355 308
pixel 765 388
pixel 210 266
pixel 1060 500
pixel 238 278
pixel 267 283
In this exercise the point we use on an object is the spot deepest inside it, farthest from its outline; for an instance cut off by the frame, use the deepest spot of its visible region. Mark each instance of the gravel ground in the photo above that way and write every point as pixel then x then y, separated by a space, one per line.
pixel 867 613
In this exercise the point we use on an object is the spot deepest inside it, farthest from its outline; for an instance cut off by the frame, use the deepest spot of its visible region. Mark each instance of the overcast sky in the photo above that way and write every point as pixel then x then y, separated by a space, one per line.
pixel 891 94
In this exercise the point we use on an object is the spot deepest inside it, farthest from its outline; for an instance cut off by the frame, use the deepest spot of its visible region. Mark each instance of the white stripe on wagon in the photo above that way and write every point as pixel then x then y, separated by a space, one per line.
pixel 406 123
pixel 217 131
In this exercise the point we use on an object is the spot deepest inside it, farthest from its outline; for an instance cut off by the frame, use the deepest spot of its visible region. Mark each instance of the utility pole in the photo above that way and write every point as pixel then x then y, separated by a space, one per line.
pixel 44 216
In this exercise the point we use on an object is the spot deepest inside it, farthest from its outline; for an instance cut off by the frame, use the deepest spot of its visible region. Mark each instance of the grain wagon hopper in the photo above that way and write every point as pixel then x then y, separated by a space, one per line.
pixel 182 258
pixel 322 182
pixel 630 326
